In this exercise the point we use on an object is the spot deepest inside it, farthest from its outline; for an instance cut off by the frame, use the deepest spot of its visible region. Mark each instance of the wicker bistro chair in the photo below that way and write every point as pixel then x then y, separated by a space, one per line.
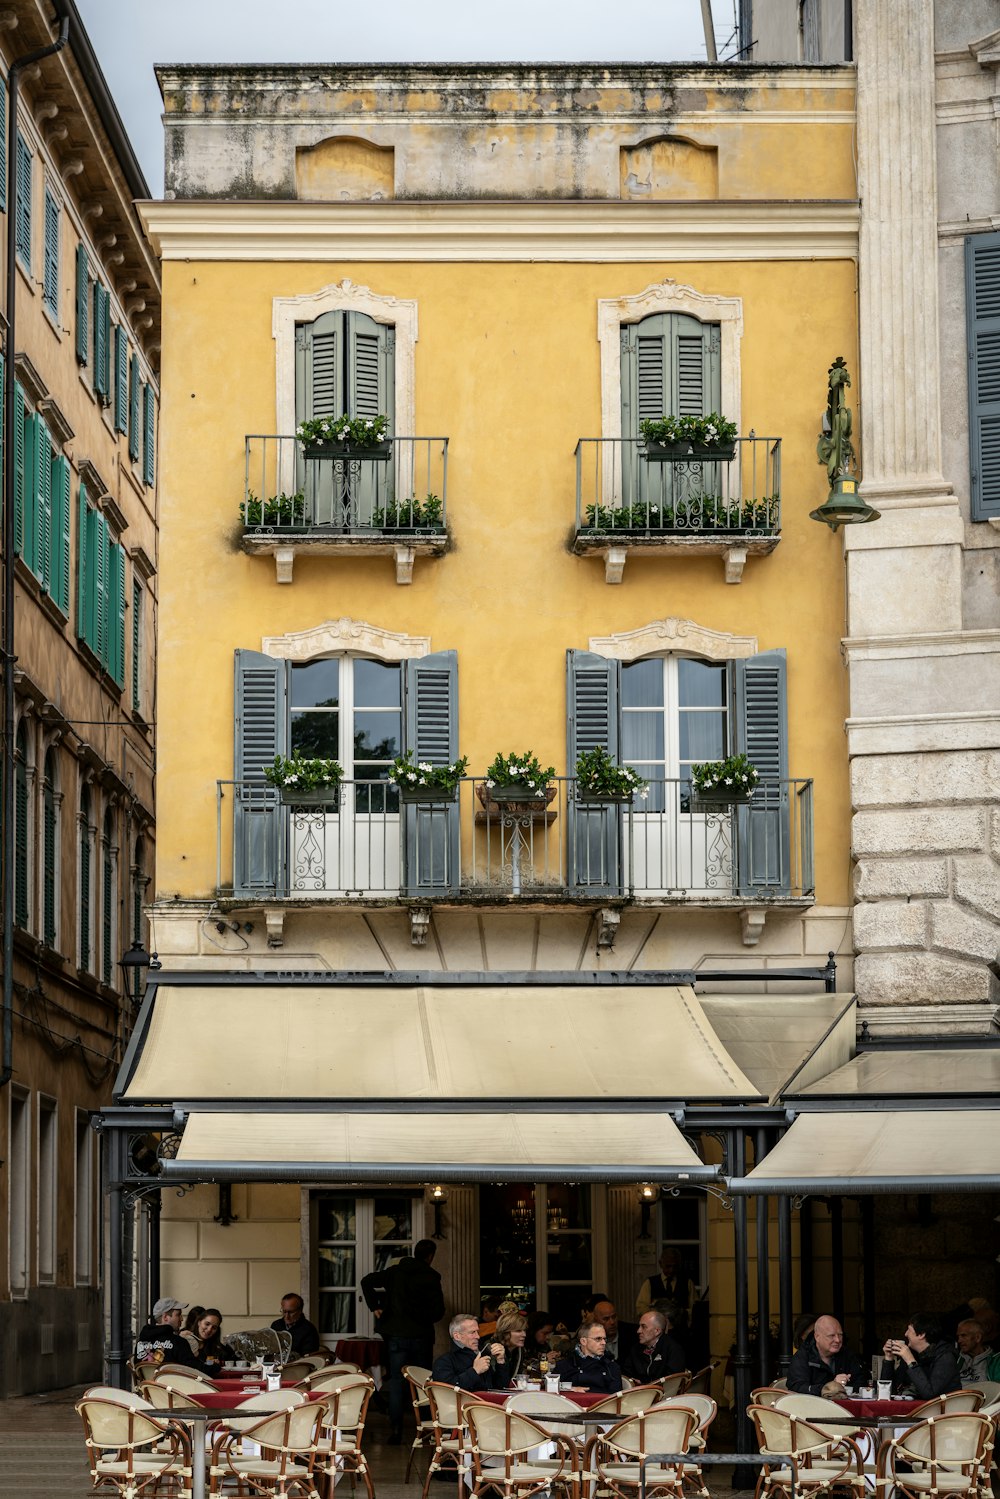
pixel 131 1450
pixel 818 1462
pixel 629 1402
pixel 287 1457
pixel 705 1409
pixel 142 1369
pixel 328 1381
pixel 700 1382
pixel 943 1455
pixel 988 1388
pixel 501 1443
pixel 674 1384
pixel 813 1408
pixel 947 1405
pixel 416 1378
pixel 229 1433
pixel 447 1406
pixel 768 1394
pixel 132 1398
pixel 161 1395
pixel 537 1405
pixel 320 1377
pixel 626 1457
pixel 187 1371
pixel 341 1431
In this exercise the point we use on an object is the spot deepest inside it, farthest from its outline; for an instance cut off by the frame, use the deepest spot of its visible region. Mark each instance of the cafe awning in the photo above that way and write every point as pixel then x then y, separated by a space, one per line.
pixel 442 1146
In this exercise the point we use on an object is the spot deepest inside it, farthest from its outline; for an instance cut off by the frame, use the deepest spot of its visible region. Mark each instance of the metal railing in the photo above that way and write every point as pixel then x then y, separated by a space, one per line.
pixel 288 490
pixel 363 842
pixel 619 488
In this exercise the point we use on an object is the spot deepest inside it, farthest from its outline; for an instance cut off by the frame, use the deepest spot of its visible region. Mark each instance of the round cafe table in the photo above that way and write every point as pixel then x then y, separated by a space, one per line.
pixel 878 1410
pixel 229 1394
pixel 583 1398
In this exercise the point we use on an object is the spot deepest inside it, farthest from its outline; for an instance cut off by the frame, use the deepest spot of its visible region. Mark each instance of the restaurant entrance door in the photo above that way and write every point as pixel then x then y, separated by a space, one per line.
pixel 355 1235
pixel 543 1244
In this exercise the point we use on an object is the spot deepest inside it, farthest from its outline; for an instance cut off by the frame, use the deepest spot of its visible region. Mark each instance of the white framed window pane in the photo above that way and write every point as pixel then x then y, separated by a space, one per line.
pixel 701 684
pixel 642 684
pixel 643 737
pixel 19 1184
pixel 376 735
pixel 702 737
pixel 377 684
pixel 48 1143
pixel 316 684
pixel 84 1218
pixel 316 735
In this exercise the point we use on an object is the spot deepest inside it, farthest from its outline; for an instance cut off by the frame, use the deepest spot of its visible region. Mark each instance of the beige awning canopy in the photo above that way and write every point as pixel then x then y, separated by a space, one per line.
pixel 865 1152
pixel 248 1042
pixel 972 1072
pixel 441 1146
pixel 782 1042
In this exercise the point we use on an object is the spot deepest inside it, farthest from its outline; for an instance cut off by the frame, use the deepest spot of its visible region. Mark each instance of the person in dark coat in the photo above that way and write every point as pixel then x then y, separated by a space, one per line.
pixel 924 1362
pixel 588 1367
pixel 407 1301
pixel 656 1353
pixel 465 1365
pixel 622 1336
pixel 161 1341
pixel 293 1320
pixel 822 1365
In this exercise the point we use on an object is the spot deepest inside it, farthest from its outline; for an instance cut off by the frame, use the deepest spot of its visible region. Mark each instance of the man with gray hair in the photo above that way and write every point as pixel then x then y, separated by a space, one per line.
pixel 656 1353
pixel 463 1365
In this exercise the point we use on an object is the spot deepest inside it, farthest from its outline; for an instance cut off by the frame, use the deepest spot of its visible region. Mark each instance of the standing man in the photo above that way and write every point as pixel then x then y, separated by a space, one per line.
pixel 929 1365
pixel 821 1365
pixel 407 1301
pixel 464 1365
pixel 670 1285
pixel 305 1337
pixel 656 1353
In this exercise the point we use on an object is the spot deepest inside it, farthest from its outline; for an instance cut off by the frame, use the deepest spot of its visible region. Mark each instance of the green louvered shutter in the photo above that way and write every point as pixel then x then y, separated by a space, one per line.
pixel 82 305
pixel 670 366
pixel 137 611
pixel 431 842
pixel 121 379
pixel 102 581
pixel 45 550
pixel 49 863
pixel 21 886
pixel 21 434
pixel 102 334
pixel 595 832
pixel 149 436
pixel 33 544
pixel 982 312
pixel 117 661
pixel 50 284
pixel 22 216
pixel 371 349
pixel 261 722
pixel 133 408
pixel 86 860
pixel 763 851
pixel 83 570
pixel 3 145
pixel 61 507
pixel 107 901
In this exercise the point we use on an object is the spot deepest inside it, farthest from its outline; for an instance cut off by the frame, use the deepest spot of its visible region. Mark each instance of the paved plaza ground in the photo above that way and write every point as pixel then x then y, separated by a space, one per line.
pixel 42 1454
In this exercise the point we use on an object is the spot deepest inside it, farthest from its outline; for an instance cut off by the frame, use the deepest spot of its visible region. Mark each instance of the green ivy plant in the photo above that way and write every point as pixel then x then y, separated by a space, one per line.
pixel 598 775
pixel 403 772
pixel 304 775
pixel 357 431
pixel 280 510
pixel 698 512
pixel 704 431
pixel 513 769
pixel 735 773
pixel 425 515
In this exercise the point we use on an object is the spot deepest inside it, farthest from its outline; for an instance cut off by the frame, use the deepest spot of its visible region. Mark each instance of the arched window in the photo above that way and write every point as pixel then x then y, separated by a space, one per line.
pixel 22 831
pixel 85 881
pixel 108 899
pixel 50 852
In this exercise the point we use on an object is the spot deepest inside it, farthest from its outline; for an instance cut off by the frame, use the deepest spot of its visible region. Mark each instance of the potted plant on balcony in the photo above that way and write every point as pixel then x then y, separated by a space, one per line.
pixel 424 782
pixel 724 783
pixel 345 437
pixel 410 515
pixel 284 510
pixel 676 439
pixel 305 783
pixel 517 780
pixel 600 779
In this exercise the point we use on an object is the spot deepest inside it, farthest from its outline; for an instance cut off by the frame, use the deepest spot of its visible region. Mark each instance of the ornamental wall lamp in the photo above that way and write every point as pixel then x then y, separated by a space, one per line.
pixel 843 505
pixel 649 1195
pixel 438 1196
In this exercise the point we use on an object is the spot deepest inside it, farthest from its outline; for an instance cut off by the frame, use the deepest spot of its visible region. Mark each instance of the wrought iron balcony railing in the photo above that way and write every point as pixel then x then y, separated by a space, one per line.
pixel 290 491
pixel 364 843
pixel 621 489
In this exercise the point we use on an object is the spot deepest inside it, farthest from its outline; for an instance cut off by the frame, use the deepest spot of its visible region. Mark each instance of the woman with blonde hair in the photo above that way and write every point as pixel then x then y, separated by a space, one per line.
pixel 512 1330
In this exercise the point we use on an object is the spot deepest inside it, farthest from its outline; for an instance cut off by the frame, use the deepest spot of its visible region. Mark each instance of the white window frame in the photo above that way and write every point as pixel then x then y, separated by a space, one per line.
pixel 365 1324
pixel 19 1192
pixel 84 1177
pixel 90 827
pixel 47 1188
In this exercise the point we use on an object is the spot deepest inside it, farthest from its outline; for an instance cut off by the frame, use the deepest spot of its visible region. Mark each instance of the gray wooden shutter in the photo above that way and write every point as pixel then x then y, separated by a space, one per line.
pixel 982 313
pixel 319 367
pixel 670 366
pixel 593 696
pixel 370 366
pixel 431 832
pixel 261 733
pixel 761 732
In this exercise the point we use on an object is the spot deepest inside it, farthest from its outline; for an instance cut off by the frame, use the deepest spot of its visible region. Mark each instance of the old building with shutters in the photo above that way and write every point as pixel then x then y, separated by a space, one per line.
pixel 82 357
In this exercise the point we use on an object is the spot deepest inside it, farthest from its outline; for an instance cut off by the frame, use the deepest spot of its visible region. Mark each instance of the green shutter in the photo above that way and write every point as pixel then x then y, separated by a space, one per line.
pixel 133 408
pixel 21 911
pixel 107 903
pixel 102 336
pixel 49 828
pixel 20 459
pixel 319 367
pixel 261 722
pixel 370 350
pixel 85 872
pixel 671 366
pixel 149 435
pixel 22 220
pixel 61 506
pixel 431 843
pixel 99 612
pixel 763 851
pixel 45 551
pixel 593 697
pixel 82 305
pixel 50 290
pixel 26 471
pixel 121 379
pixel 116 663
pixel 982 314
pixel 3 145
pixel 83 570
pixel 137 604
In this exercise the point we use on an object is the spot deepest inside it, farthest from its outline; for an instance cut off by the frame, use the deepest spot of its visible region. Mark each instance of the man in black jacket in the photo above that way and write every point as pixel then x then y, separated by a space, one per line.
pixel 160 1339
pixel 407 1301
pixel 926 1363
pixel 463 1365
pixel 656 1353
pixel 588 1367
pixel 822 1365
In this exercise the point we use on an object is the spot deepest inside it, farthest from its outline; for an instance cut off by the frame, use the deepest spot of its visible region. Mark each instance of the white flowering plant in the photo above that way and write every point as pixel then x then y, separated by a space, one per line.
pixel 410 776
pixel 735 775
pixel 298 774
pixel 519 770
pixel 598 775
pixel 709 431
pixel 358 431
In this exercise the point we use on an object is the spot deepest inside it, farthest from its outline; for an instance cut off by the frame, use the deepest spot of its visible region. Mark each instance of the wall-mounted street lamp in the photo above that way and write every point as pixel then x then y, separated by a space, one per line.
pixel 438 1196
pixel 649 1196
pixel 843 505
pixel 134 966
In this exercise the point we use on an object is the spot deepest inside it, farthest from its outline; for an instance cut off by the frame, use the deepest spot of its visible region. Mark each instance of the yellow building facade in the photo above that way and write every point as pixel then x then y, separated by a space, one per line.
pixel 515 267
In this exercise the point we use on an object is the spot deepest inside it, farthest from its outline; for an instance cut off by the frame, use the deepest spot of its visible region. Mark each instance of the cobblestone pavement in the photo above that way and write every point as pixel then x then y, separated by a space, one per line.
pixel 42 1455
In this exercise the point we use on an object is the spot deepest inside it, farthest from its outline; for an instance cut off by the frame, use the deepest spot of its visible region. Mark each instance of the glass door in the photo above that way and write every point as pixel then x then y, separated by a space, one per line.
pixel 355 1236
pixel 538 1243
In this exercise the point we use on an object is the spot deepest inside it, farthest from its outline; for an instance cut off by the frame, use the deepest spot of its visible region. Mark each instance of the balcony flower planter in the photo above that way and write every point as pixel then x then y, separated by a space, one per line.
pixel 604 798
pixel 684 452
pixel 428 795
pixel 378 452
pixel 520 791
pixel 520 800
pixel 712 801
pixel 318 796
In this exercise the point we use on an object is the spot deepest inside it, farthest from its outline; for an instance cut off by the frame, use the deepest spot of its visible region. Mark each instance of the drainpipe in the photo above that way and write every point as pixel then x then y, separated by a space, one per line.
pixel 7 646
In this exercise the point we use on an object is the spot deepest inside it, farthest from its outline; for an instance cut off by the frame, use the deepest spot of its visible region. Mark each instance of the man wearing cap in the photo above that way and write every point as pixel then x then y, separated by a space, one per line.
pixel 160 1339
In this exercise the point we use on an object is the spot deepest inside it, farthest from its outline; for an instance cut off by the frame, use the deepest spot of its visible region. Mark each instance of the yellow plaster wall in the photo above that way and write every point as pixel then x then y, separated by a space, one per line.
pixel 507 365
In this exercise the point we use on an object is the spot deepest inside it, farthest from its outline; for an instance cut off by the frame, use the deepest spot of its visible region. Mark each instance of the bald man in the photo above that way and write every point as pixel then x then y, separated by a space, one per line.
pixel 823 1366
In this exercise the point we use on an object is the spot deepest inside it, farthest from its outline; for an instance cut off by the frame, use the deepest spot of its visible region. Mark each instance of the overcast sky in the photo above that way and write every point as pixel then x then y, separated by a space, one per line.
pixel 130 36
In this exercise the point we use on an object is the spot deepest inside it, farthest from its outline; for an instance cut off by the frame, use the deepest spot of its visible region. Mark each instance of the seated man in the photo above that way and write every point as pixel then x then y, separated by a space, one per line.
pixel 305 1337
pixel 924 1362
pixel 622 1337
pixel 588 1366
pixel 656 1353
pixel 160 1340
pixel 463 1365
pixel 822 1365
pixel 973 1353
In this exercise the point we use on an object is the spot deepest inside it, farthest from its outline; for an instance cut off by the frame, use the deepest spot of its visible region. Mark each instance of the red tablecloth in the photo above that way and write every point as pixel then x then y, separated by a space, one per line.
pixel 229 1395
pixel 583 1398
pixel 876 1410
pixel 365 1352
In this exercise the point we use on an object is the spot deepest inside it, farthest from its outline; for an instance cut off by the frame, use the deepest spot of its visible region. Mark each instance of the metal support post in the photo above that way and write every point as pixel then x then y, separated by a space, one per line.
pixel 837 1255
pixel 763 1272
pixel 785 1283
pixel 741 1358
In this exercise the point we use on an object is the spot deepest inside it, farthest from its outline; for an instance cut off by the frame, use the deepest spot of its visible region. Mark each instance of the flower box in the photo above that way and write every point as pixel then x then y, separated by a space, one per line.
pixel 520 791
pixel 379 452
pixel 317 796
pixel 428 794
pixel 683 452
pixel 711 801
pixel 604 798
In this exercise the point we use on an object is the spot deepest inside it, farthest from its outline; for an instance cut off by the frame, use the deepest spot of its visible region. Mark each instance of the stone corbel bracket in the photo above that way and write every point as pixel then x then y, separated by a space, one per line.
pixel 752 920
pixel 420 925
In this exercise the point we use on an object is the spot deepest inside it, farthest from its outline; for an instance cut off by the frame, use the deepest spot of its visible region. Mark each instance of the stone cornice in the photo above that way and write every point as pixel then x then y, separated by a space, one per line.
pixel 345 634
pixel 611 231
pixel 673 634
